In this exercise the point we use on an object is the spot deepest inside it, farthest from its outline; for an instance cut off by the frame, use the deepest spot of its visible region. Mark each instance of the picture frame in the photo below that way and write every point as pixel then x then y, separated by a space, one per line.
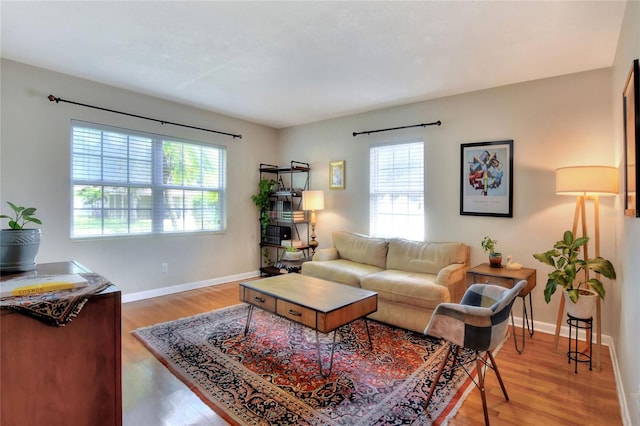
pixel 337 177
pixel 631 116
pixel 486 178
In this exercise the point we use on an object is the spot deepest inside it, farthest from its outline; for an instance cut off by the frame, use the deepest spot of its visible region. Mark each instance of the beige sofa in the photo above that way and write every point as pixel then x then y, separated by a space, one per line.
pixel 410 277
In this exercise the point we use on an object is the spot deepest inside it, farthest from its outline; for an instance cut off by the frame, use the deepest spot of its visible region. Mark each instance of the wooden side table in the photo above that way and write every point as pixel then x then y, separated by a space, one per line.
pixel 485 274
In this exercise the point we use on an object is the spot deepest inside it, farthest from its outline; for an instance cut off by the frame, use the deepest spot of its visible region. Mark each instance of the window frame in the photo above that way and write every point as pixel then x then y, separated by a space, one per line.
pixel 153 183
pixel 374 227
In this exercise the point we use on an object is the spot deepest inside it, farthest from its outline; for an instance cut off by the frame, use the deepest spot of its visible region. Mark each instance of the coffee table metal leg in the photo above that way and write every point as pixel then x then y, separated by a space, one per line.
pixel 333 347
pixel 246 327
pixel 366 324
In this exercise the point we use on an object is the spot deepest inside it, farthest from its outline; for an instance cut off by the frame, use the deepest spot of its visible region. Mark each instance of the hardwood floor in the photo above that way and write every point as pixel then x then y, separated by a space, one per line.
pixel 543 388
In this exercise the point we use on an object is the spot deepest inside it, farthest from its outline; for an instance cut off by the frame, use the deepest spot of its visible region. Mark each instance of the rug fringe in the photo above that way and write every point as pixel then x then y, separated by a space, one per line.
pixel 226 308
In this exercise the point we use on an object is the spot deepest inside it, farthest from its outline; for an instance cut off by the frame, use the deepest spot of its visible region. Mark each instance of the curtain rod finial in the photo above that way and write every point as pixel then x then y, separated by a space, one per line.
pixel 53 98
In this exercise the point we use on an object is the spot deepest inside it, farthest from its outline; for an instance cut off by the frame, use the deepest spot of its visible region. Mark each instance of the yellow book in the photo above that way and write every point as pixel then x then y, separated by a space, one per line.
pixel 37 285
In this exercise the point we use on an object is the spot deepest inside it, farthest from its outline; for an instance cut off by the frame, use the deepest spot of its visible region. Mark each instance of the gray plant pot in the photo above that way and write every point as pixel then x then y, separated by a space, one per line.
pixel 18 249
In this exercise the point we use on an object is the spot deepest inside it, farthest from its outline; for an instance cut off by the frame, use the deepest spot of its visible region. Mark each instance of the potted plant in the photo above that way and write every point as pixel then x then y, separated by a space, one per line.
pixel 19 246
pixel 262 200
pixel 571 273
pixel 292 254
pixel 489 246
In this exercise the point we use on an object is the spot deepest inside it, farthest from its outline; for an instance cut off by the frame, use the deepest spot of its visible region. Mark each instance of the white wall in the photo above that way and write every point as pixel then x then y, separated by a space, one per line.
pixel 627 332
pixel 35 172
pixel 553 122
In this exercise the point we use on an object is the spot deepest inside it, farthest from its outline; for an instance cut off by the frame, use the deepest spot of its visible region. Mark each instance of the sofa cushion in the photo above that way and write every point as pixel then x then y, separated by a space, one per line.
pixel 424 256
pixel 340 270
pixel 408 288
pixel 361 248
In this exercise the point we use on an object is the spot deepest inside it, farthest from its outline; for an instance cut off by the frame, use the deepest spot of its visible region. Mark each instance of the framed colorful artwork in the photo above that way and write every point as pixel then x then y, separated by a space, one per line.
pixel 486 180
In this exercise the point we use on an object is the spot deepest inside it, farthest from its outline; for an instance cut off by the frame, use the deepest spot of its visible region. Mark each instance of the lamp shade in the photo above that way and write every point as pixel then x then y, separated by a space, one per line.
pixel 587 180
pixel 312 200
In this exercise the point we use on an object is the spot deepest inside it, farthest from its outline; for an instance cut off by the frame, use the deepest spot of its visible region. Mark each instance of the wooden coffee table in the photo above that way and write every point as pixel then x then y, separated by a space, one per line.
pixel 321 305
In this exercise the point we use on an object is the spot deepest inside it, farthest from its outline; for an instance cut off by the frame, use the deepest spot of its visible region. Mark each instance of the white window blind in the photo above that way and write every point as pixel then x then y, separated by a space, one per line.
pixel 396 194
pixel 126 182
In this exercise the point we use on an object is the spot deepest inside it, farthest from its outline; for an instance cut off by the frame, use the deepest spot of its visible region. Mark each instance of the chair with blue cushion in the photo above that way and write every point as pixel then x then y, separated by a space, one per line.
pixel 479 323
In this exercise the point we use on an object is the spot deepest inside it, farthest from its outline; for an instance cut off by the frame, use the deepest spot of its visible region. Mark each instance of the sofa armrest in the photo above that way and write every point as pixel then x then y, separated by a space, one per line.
pixel 324 254
pixel 454 278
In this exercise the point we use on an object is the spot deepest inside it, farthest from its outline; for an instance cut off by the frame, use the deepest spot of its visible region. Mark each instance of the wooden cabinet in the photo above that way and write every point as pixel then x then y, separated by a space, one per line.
pixel 67 375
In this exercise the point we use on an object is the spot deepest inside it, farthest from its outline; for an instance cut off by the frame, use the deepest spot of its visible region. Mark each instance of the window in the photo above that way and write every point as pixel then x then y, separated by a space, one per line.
pixel 126 182
pixel 396 194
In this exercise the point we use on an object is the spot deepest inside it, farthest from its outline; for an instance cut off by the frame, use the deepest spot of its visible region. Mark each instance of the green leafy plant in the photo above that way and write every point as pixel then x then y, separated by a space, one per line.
pixel 489 245
pixel 291 249
pixel 568 268
pixel 22 216
pixel 262 200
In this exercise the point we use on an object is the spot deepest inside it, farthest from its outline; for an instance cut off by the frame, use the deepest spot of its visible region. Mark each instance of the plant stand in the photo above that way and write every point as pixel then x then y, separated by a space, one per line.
pixel 575 354
pixel 556 338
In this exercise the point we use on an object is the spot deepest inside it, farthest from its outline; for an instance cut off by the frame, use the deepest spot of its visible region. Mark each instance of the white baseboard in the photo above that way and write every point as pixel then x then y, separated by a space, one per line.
pixel 164 291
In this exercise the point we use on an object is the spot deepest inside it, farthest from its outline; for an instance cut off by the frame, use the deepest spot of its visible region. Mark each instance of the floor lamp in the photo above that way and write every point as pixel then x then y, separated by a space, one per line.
pixel 587 183
pixel 313 200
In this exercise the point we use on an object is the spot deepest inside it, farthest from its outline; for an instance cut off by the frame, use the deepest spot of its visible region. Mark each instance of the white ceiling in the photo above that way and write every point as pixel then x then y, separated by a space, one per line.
pixel 289 63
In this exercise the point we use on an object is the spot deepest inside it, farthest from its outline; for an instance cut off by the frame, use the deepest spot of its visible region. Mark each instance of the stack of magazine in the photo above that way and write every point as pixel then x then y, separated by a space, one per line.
pixel 36 285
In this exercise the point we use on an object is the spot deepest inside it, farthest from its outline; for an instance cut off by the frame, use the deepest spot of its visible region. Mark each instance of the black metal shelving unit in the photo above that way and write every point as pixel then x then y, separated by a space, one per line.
pixel 286 212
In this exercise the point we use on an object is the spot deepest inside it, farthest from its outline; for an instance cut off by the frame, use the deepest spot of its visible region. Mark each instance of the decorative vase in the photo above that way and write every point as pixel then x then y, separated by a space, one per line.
pixel 292 255
pixel 18 249
pixel 584 306
pixel 495 260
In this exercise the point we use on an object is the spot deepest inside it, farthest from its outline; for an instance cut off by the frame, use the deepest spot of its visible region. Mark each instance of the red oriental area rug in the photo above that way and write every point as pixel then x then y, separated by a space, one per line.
pixel 271 376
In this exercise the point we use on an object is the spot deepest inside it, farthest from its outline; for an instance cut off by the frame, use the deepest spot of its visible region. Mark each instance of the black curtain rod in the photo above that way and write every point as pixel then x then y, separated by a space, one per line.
pixel 368 132
pixel 58 100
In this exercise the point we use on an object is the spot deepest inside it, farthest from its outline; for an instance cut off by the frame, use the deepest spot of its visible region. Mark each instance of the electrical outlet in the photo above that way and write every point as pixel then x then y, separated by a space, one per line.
pixel 164 267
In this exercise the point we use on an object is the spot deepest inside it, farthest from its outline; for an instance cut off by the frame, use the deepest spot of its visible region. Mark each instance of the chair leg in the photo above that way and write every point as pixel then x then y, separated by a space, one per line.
pixel 495 368
pixel 479 365
pixel 435 381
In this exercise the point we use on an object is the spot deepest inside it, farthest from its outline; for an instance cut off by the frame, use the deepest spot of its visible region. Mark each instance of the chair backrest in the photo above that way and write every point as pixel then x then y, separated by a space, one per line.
pixel 499 300
pixel 480 320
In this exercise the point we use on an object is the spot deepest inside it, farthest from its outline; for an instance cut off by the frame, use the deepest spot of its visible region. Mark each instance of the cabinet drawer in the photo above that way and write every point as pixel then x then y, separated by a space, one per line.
pixel 504 282
pixel 297 313
pixel 261 300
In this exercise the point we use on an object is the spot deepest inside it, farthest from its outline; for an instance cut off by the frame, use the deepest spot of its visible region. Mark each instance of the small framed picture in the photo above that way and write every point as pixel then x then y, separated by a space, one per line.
pixel 486 187
pixel 336 175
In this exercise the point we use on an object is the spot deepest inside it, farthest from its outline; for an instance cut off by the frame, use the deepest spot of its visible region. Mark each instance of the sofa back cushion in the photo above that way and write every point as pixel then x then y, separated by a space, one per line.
pixel 361 248
pixel 424 256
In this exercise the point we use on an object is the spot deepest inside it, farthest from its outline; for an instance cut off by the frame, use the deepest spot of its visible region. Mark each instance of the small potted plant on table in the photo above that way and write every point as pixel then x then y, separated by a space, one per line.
pixel 571 273
pixel 19 246
pixel 489 246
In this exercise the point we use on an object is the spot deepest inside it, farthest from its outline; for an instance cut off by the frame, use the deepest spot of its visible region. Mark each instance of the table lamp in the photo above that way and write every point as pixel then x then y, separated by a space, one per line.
pixel 313 200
